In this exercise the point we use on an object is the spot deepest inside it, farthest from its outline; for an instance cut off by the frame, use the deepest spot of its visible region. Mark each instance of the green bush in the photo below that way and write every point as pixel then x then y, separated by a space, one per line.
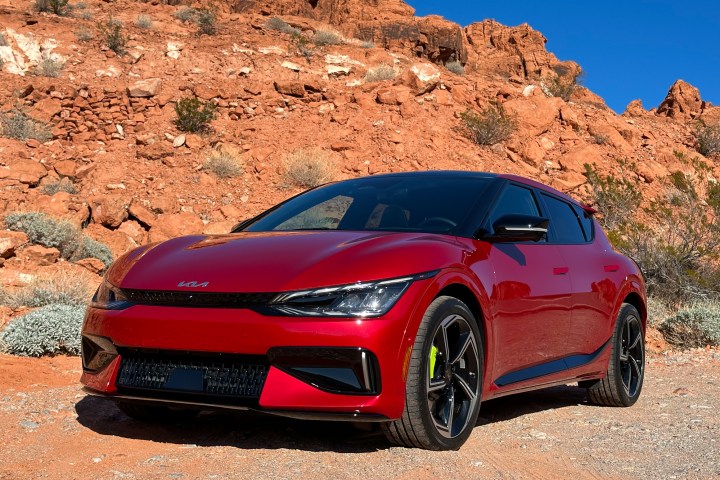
pixel 695 325
pixel 194 115
pixel 19 125
pixel 59 185
pixel 143 21
pixel 205 20
pixel 281 25
pixel 223 164
pixel 112 35
pixel 49 67
pixel 563 83
pixel 323 37
pixel 614 197
pixel 380 73
pixel 492 125
pixel 49 330
pixel 708 139
pixel 65 288
pixel 57 7
pixel 456 67
pixel 44 230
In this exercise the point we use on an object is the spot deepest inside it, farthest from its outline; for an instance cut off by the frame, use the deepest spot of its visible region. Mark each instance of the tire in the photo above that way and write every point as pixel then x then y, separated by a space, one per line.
pixel 155 413
pixel 623 383
pixel 442 405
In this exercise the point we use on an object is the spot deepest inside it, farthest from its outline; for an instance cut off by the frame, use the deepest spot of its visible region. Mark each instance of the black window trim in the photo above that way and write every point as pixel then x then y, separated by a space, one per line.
pixel 546 212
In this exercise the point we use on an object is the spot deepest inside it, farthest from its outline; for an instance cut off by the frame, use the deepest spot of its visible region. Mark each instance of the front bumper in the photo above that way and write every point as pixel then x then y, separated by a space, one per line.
pixel 244 332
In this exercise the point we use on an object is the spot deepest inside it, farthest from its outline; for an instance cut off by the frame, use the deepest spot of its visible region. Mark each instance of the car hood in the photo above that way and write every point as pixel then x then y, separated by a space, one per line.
pixel 282 261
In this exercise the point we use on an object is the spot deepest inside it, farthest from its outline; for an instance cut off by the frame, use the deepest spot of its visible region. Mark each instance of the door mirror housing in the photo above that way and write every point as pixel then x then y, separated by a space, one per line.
pixel 518 228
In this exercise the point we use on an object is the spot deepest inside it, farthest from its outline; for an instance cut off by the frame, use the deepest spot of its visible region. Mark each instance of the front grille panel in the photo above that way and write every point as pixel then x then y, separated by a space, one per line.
pixel 172 298
pixel 211 375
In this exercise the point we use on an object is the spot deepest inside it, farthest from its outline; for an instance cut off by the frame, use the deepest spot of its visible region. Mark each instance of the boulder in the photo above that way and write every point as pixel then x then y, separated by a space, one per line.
pixel 174 225
pixel 145 88
pixel 682 102
pixel 10 241
pixel 109 210
pixel 41 256
pixel 535 114
pixel 291 88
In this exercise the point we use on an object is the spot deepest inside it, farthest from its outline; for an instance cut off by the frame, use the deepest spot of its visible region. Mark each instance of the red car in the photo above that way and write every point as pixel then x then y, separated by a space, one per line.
pixel 402 299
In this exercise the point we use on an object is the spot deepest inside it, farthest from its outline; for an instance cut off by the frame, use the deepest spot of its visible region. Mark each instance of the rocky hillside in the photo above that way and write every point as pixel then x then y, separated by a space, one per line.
pixel 363 85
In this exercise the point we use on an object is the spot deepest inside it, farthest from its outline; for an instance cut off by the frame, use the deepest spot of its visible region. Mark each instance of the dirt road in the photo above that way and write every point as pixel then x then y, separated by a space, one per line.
pixel 51 430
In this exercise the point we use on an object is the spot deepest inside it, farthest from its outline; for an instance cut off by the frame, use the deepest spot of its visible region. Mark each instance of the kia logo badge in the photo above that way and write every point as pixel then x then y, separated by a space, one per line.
pixel 193 284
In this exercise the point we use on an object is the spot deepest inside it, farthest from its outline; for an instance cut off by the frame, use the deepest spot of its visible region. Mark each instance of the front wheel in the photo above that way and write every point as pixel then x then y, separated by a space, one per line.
pixel 442 394
pixel 626 370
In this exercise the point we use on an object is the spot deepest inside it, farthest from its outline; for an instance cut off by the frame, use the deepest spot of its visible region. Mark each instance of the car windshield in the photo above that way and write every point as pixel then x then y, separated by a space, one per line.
pixel 432 204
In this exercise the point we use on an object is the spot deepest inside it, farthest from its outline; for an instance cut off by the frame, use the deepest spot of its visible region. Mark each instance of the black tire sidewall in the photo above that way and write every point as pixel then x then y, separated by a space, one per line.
pixel 626 312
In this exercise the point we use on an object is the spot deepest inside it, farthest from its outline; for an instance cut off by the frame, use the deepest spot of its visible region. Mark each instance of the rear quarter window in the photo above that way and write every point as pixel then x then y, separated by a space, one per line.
pixel 565 225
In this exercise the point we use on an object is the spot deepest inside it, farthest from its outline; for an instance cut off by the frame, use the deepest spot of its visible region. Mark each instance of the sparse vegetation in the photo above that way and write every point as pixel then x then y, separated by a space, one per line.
pixel 302 45
pixel 223 164
pixel 194 115
pixel 49 330
pixel 84 35
pixel 600 139
pixel 324 37
pixel 57 7
pixel 112 35
pixel 45 230
pixel 308 168
pixel 59 185
pixel 280 25
pixel 143 21
pixel 64 288
pixel 185 14
pixel 19 125
pixel 455 67
pixel 708 139
pixel 380 73
pixel 49 67
pixel 3 40
pixel 563 83
pixel 492 125
pixel 205 20
pixel 367 44
pixel 614 198
pixel 695 325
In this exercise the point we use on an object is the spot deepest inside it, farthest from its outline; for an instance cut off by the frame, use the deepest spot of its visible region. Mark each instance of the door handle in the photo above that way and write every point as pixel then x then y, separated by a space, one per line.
pixel 612 268
pixel 560 270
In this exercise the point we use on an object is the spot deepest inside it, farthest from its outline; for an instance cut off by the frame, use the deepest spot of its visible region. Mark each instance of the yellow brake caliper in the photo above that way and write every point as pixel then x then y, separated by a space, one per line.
pixel 433 358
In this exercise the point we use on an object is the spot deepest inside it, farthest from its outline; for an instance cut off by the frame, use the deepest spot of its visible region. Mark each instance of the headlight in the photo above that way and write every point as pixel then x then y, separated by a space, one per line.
pixel 109 297
pixel 368 299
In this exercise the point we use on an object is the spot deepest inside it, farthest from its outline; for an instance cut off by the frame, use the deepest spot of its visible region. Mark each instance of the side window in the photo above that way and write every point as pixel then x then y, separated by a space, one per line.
pixel 514 199
pixel 564 223
pixel 586 221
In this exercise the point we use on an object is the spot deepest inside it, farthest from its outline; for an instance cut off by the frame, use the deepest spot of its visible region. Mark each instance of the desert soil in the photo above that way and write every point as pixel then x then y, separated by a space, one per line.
pixel 50 429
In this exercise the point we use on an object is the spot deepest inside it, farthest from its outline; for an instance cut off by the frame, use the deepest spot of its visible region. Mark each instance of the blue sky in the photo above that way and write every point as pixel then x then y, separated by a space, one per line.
pixel 629 49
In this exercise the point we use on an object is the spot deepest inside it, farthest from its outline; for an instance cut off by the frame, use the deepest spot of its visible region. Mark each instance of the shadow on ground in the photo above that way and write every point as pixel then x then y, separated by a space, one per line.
pixel 252 430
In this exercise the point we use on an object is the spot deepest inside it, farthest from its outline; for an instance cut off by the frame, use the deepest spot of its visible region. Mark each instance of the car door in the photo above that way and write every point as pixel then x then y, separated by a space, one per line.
pixel 592 271
pixel 530 300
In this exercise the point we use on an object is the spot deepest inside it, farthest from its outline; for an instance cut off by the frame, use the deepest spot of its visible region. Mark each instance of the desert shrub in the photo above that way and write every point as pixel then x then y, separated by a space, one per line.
pixel 3 40
pixel 143 21
pixel 57 7
pixel 302 46
pixel 49 67
pixel 80 5
pixel 490 126
pixel 563 83
pixel 280 25
pixel 194 115
pixel 19 125
pixel 367 44
pixel 455 67
pixel 223 164
pixel 695 325
pixel 84 35
pixel 112 35
pixel 45 230
pixel 324 37
pixel 308 168
pixel 380 73
pixel 658 310
pixel 49 330
pixel 65 288
pixel 614 197
pixel 599 139
pixel 185 14
pixel 708 139
pixel 205 20
pixel 59 185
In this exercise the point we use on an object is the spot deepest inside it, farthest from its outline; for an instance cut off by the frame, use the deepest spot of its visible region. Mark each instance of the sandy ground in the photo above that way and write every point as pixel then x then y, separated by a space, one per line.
pixel 50 429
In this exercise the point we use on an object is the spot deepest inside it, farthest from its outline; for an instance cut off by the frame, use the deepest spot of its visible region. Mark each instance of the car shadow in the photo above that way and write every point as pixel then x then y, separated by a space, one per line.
pixel 253 430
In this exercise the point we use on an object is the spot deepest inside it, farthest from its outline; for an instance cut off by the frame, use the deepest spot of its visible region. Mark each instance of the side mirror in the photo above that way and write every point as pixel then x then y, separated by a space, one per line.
pixel 518 228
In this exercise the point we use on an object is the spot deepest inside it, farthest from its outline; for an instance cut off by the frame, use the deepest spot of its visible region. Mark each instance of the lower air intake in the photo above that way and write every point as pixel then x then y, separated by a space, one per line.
pixel 189 373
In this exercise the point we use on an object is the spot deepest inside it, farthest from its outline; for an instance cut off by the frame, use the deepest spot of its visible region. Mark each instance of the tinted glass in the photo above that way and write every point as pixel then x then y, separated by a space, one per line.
pixel 432 204
pixel 564 222
pixel 586 222
pixel 514 200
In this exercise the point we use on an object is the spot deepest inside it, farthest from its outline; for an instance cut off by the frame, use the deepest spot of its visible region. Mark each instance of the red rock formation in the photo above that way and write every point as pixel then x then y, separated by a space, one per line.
pixel 682 102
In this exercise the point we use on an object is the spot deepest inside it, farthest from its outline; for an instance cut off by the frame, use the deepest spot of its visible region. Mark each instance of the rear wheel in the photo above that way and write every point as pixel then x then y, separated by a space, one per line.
pixel 622 385
pixel 442 397
pixel 155 413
